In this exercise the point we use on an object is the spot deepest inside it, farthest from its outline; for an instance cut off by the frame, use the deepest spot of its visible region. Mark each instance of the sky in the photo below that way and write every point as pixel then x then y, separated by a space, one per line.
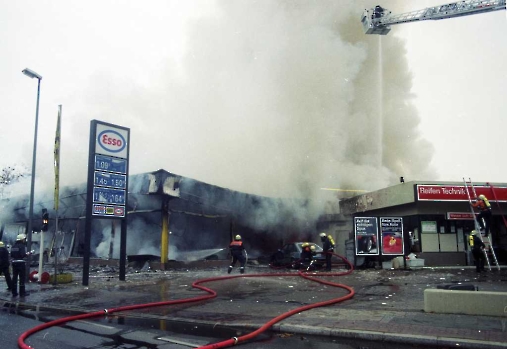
pixel 275 98
pixel 459 80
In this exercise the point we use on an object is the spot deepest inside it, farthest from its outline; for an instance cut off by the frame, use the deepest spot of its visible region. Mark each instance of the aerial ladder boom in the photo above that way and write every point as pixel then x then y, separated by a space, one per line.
pixel 378 20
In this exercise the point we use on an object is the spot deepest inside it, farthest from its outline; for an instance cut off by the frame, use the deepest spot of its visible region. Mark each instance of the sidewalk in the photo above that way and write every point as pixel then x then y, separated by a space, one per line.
pixel 387 306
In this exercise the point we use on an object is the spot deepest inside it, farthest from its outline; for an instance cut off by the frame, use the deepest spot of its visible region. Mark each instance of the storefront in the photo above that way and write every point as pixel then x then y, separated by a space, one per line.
pixel 434 220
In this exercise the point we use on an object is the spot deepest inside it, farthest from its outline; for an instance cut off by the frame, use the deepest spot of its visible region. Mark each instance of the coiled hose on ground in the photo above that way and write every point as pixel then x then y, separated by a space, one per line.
pixel 212 294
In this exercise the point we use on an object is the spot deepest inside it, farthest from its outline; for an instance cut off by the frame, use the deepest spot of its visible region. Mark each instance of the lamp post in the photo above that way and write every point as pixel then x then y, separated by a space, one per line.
pixel 32 74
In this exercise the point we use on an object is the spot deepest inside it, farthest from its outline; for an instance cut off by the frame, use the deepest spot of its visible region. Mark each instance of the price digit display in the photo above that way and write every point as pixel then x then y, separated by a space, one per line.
pixel 109 196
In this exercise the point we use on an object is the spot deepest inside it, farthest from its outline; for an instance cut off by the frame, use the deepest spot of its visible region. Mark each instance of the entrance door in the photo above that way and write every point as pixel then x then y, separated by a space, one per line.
pixel 462 229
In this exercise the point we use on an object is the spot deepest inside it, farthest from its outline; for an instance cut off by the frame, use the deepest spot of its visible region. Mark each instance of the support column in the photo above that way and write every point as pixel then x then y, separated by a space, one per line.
pixel 111 239
pixel 164 237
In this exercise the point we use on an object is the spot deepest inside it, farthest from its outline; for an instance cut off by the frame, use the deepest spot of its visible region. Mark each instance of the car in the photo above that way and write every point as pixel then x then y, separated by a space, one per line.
pixel 291 253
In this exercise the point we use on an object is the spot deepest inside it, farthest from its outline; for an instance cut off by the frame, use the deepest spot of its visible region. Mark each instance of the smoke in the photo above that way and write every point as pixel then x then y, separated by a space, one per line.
pixel 288 97
pixel 145 240
pixel 273 98
pixel 140 240
pixel 277 98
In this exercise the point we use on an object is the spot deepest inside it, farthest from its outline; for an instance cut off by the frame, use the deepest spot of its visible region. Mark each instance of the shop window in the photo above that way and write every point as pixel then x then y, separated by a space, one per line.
pixel 439 235
pixel 429 236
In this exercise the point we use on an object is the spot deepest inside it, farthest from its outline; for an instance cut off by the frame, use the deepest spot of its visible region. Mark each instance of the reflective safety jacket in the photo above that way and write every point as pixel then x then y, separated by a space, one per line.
pixel 18 251
pixel 328 244
pixel 475 242
pixel 306 254
pixel 331 240
pixel 482 204
pixel 236 247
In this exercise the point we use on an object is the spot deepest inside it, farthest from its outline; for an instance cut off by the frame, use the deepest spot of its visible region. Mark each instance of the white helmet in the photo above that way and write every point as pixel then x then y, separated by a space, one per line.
pixel 2 244
pixel 475 232
pixel 482 197
pixel 237 237
pixel 322 235
pixel 20 237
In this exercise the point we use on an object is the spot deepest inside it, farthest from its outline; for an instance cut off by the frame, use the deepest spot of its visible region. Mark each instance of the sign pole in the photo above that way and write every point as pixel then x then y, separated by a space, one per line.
pixel 123 249
pixel 107 186
pixel 89 201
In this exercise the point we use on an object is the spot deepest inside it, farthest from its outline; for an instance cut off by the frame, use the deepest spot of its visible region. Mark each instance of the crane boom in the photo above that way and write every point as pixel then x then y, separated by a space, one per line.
pixel 378 20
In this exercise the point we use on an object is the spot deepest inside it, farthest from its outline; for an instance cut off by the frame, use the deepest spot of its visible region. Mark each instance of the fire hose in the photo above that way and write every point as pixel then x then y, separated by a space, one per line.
pixel 211 294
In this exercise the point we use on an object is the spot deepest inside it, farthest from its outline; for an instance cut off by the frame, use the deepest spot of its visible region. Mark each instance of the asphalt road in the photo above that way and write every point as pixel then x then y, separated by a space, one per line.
pixel 387 299
pixel 129 333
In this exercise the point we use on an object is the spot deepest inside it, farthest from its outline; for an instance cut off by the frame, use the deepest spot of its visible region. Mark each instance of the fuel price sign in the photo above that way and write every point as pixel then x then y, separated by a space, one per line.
pixel 110 180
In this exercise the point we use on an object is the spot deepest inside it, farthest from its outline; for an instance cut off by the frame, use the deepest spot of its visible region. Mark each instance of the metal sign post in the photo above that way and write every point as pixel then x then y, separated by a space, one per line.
pixel 107 186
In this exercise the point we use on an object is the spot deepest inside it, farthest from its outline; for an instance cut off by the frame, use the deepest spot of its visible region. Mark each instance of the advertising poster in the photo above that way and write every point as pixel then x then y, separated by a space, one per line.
pixel 366 233
pixel 391 232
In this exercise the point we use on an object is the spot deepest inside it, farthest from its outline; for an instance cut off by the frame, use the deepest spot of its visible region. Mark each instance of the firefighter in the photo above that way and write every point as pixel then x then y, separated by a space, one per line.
pixel 18 255
pixel 306 255
pixel 477 250
pixel 328 248
pixel 484 217
pixel 313 252
pixel 4 266
pixel 378 11
pixel 238 253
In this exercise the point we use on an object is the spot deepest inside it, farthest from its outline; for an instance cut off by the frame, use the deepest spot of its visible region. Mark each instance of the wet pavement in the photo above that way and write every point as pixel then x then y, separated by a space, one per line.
pixel 387 305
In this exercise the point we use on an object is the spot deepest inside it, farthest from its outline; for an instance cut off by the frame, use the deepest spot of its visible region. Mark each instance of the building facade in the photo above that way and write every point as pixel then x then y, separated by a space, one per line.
pixel 168 217
pixel 436 219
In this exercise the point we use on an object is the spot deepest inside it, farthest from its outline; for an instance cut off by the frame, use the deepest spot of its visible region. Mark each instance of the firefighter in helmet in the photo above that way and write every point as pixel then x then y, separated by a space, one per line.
pixel 305 258
pixel 484 217
pixel 238 253
pixel 477 247
pixel 18 255
pixel 328 248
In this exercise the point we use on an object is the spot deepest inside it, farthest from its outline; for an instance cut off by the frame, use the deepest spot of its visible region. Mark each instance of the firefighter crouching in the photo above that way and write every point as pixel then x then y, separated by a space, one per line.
pixel 238 253
pixel 18 255
pixel 306 256
pixel 328 248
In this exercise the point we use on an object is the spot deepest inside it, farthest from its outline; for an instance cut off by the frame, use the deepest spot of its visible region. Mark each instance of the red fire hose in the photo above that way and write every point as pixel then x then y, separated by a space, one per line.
pixel 211 294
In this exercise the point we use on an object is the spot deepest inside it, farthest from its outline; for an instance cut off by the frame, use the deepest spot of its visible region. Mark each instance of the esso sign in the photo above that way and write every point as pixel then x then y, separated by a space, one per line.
pixel 111 141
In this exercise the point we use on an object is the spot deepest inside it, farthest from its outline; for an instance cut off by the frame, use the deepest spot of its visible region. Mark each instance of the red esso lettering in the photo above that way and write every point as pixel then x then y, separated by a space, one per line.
pixel 111 141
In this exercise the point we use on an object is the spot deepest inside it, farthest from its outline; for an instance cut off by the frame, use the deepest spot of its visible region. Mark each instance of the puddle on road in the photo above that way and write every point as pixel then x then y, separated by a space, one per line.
pixel 214 331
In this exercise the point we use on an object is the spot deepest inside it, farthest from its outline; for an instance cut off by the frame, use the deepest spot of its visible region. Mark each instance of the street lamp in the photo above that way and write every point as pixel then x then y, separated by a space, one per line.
pixel 32 74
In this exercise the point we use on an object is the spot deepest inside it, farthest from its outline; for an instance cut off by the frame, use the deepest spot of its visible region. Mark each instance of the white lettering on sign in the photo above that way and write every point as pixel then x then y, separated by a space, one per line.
pixel 430 190
pixel 453 191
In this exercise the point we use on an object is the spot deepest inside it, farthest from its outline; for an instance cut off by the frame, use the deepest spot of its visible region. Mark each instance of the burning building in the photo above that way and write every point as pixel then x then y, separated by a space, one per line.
pixel 200 218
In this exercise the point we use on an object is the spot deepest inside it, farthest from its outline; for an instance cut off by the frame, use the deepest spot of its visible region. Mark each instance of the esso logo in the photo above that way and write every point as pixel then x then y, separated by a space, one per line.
pixel 111 141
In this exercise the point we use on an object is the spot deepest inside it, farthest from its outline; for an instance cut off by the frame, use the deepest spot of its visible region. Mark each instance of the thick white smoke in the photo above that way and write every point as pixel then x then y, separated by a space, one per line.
pixel 278 98
pixel 140 240
pixel 275 98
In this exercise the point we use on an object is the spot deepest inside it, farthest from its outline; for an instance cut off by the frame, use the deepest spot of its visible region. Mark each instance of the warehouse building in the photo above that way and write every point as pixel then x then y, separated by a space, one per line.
pixel 196 219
